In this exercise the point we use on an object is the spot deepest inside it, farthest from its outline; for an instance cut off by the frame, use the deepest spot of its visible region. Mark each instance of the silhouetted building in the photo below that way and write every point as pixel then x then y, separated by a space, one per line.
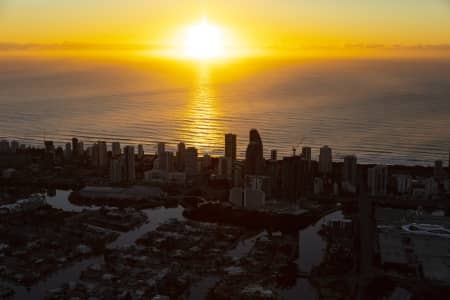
pixel 140 154
pixel 115 149
pixel 14 146
pixel 181 148
pixel 75 149
pixel 4 146
pixel 116 167
pixel 166 161
pixel 377 180
pixel 129 164
pixel 206 162
pixel 102 155
pixel 306 155
pixel 230 146
pixel 49 147
pixel 161 148
pixel 251 196
pixel 238 173
pixel 350 170
pixel 225 167
pixel 273 154
pixel 295 178
pixel 273 172
pixel 438 169
pixel 318 186
pixel 80 150
pixel 68 151
pixel 254 156
pixel 325 160
pixel 191 161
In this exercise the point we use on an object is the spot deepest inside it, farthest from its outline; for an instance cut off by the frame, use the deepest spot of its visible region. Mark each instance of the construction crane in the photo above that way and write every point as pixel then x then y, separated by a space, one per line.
pixel 295 147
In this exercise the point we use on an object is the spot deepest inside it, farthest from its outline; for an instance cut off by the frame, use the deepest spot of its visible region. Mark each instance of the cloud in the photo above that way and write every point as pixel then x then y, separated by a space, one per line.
pixel 67 46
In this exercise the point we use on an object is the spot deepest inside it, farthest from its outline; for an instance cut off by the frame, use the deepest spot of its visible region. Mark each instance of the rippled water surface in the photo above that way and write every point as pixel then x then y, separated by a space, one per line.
pixel 382 111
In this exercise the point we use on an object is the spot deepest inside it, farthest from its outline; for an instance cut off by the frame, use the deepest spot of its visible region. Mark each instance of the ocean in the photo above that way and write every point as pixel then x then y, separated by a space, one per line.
pixel 384 111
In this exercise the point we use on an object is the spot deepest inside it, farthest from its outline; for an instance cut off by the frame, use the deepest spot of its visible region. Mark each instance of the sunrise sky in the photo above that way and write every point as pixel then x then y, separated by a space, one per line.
pixel 355 27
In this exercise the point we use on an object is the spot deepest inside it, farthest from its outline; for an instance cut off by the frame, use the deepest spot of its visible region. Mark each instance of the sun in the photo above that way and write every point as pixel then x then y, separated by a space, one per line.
pixel 204 41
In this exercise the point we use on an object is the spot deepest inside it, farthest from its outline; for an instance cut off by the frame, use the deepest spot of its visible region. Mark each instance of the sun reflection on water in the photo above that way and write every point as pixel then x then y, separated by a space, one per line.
pixel 204 128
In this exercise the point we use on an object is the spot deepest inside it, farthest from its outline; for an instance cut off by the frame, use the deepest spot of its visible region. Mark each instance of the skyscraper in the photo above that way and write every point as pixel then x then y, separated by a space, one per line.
pixel 161 148
pixel 325 160
pixel 75 149
pixel 350 169
pixel 102 154
pixel 306 155
pixel 68 151
pixel 49 147
pixel 140 152
pixel 230 146
pixel 115 149
pixel 166 161
pixel 116 166
pixel 273 154
pixel 191 161
pixel 225 167
pixel 377 180
pixel 438 169
pixel 4 146
pixel 80 150
pixel 254 156
pixel 295 178
pixel 181 148
pixel 129 164
pixel 14 146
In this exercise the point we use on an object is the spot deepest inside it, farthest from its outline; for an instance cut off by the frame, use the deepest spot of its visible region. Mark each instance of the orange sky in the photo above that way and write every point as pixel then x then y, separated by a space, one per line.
pixel 252 27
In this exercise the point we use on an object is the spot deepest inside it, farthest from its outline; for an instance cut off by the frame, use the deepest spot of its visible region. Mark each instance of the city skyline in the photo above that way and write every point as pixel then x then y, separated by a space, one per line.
pixel 198 149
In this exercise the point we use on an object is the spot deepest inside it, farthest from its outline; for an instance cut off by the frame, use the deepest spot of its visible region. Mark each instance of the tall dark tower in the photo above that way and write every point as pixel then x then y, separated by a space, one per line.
pixel 75 149
pixel 254 156
pixel 230 146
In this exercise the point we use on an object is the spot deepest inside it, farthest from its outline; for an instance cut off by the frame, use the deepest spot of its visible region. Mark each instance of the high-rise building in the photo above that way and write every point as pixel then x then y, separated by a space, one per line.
pixel 4 146
pixel 225 167
pixel 140 152
pixel 80 148
pixel 166 161
pixel 237 173
pixel 94 155
pixel 325 160
pixel 230 146
pixel 102 155
pixel 181 148
pixel 75 149
pixel 129 164
pixel 116 167
pixel 438 169
pixel 206 162
pixel 49 147
pixel 14 146
pixel 377 178
pixel 254 156
pixel 68 151
pixel 306 155
pixel 318 186
pixel 115 149
pixel 350 170
pixel 295 178
pixel 191 161
pixel 161 148
pixel 273 154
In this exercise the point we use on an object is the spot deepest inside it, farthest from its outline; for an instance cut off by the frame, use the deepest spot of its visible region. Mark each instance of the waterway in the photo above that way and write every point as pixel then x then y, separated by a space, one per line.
pixel 311 252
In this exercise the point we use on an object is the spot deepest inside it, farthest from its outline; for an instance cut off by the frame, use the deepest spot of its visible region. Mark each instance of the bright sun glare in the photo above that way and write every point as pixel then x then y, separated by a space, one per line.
pixel 204 41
